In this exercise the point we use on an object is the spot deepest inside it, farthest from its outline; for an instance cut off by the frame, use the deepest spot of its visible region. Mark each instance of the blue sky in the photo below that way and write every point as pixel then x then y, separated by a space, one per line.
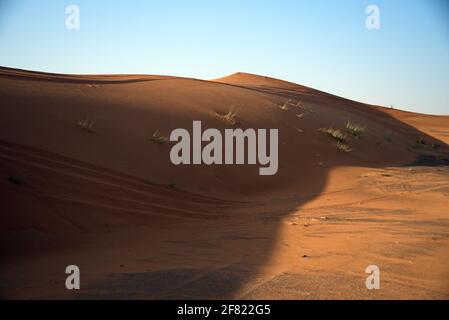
pixel 322 43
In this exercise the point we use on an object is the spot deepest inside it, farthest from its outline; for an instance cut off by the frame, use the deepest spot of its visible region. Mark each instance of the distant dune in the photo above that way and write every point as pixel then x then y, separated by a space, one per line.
pixel 85 180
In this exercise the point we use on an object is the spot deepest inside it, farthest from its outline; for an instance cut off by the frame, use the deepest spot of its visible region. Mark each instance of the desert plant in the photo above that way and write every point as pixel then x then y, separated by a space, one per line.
pixel 285 106
pixel 334 133
pixel 158 138
pixel 388 136
pixel 289 103
pixel 421 141
pixel 417 145
pixel 343 147
pixel 172 185
pixel 435 146
pixel 355 129
pixel 229 118
pixel 412 148
pixel 16 179
pixel 87 124
pixel 304 107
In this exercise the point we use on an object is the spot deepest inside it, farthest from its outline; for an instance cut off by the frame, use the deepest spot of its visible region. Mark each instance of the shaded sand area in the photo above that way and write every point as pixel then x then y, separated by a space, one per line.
pixel 86 179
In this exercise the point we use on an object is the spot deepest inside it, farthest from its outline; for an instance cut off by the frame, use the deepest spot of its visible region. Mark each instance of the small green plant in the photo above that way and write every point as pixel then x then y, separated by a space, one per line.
pixel 411 148
pixel 355 129
pixel 435 146
pixel 387 136
pixel 16 179
pixel 87 124
pixel 229 118
pixel 286 105
pixel 421 141
pixel 343 147
pixel 172 185
pixel 334 133
pixel 283 107
pixel 306 109
pixel 417 145
pixel 158 138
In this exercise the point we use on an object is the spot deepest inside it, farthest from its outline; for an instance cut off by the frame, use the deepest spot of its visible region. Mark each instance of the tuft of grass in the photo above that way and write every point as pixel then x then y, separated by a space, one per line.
pixel 387 136
pixel 283 107
pixel 435 146
pixel 421 141
pixel 286 105
pixel 417 145
pixel 158 138
pixel 343 147
pixel 335 134
pixel 355 129
pixel 172 185
pixel 16 179
pixel 87 124
pixel 290 103
pixel 306 109
pixel 229 118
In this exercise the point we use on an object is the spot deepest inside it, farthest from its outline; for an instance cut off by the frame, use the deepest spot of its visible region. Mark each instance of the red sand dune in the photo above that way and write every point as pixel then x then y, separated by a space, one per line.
pixel 111 202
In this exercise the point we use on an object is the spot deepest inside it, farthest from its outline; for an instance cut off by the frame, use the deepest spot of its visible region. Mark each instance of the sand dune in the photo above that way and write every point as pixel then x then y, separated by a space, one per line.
pixel 84 181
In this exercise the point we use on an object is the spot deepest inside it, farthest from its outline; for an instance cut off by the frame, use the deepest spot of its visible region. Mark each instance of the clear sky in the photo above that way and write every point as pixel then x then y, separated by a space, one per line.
pixel 319 43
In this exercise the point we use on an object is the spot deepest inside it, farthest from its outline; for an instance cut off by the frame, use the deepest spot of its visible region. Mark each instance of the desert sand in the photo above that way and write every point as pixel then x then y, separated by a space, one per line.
pixel 85 179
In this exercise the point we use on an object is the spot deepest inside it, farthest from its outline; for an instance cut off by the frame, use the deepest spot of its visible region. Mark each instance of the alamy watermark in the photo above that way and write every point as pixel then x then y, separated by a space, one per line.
pixel 372 282
pixel 72 20
pixel 188 149
pixel 72 282
pixel 372 22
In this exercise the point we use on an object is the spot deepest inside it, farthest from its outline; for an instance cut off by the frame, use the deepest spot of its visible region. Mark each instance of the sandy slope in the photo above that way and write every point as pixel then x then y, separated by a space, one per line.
pixel 111 202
